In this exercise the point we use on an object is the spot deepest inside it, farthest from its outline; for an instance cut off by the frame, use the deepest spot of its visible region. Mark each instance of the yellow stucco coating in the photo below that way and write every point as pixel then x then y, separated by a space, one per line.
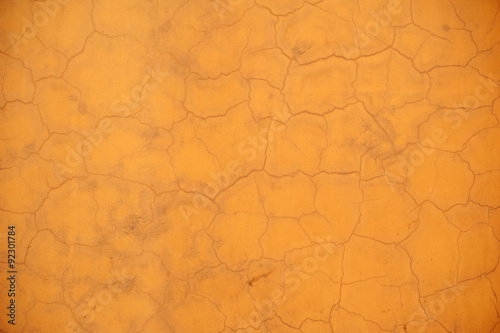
pixel 250 166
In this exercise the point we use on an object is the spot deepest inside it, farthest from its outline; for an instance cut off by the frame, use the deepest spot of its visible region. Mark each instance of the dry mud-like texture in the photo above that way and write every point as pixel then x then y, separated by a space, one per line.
pixel 251 165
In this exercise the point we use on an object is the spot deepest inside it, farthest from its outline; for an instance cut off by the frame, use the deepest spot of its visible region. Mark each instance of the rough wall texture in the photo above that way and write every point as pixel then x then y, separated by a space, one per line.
pixel 250 166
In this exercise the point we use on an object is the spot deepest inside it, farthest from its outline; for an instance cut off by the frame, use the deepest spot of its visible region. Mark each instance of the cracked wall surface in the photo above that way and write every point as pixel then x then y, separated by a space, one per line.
pixel 228 166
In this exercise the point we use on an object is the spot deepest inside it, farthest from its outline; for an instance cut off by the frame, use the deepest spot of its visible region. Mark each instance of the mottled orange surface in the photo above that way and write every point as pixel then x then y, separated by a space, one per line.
pixel 250 166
